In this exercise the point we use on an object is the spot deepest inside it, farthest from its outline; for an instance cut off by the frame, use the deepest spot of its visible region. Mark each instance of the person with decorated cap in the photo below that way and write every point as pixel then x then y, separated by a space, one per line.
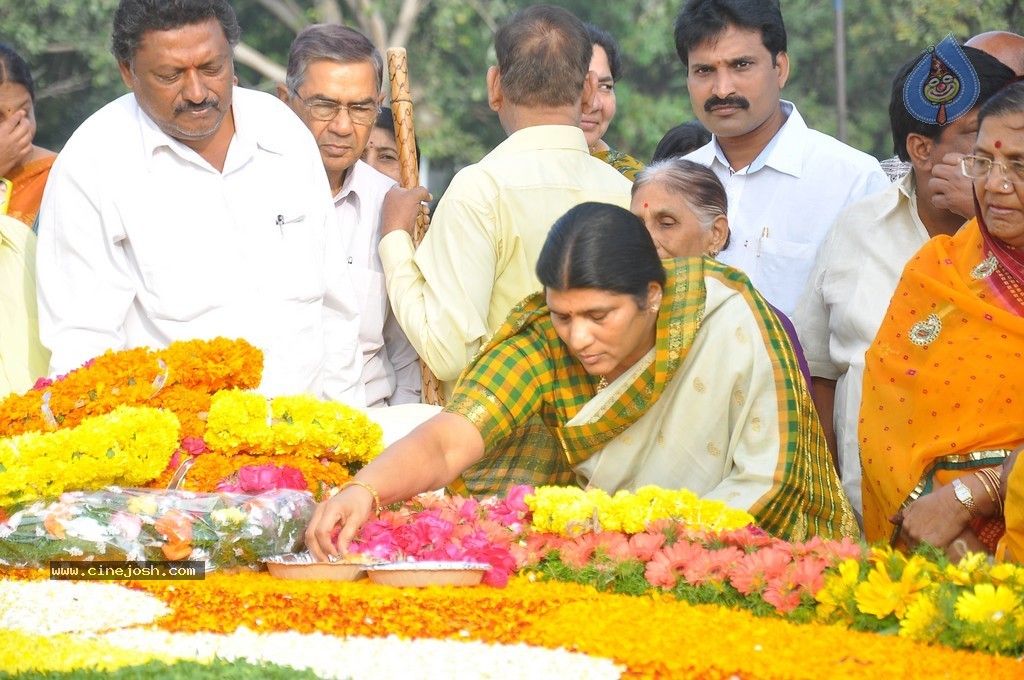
pixel 845 299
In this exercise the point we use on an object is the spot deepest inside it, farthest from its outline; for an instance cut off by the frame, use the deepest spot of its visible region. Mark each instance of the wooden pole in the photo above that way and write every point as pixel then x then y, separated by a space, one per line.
pixel 405 138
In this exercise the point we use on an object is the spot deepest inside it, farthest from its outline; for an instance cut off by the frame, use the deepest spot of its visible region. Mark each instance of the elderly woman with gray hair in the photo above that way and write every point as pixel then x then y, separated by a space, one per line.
pixel 685 209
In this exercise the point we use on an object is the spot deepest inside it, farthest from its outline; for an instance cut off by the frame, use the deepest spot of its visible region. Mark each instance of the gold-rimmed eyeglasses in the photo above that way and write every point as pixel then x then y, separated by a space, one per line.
pixel 326 110
pixel 979 167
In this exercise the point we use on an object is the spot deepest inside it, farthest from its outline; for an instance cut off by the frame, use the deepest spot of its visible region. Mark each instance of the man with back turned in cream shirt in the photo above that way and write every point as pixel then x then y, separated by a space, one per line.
pixel 479 257
pixel 785 181
pixel 194 209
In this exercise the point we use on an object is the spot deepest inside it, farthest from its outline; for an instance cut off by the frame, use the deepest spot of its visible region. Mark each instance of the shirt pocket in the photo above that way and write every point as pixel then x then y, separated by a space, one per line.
pixel 293 256
pixel 182 272
pixel 788 264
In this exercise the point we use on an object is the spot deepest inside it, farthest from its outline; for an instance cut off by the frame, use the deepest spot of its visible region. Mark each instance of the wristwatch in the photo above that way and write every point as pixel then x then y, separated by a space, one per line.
pixel 966 498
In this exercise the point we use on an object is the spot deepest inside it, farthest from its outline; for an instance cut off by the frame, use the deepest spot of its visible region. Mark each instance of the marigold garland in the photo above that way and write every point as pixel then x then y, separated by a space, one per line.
pixel 570 511
pixel 128 446
pixel 180 378
pixel 244 422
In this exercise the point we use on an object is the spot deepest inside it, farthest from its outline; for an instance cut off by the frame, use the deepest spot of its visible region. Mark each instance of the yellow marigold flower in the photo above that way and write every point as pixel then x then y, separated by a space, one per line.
pixel 922 621
pixel 127 447
pixel 836 595
pixel 968 570
pixel 570 512
pixel 245 422
pixel 880 596
pixel 1008 573
pixel 986 603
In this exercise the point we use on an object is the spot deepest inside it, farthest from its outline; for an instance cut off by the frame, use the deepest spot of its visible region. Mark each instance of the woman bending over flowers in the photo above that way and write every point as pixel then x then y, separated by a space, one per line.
pixel 625 371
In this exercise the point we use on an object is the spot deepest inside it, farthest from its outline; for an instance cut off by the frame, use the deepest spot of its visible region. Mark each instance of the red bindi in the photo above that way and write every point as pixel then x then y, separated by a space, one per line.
pixel 998 144
pixel 645 205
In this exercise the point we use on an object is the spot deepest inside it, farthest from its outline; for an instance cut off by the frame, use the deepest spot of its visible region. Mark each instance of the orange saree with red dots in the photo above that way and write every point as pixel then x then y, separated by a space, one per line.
pixel 942 379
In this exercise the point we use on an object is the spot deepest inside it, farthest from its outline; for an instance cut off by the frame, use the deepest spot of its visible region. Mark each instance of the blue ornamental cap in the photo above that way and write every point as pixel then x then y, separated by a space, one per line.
pixel 943 86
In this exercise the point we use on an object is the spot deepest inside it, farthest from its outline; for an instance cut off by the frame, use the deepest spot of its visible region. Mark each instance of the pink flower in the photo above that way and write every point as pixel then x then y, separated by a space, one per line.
pixel 431 529
pixel 755 569
pixel 782 598
pixel 269 477
pixel 511 511
pixel 469 510
pixel 747 538
pixel 806 574
pixel 193 445
pixel 408 540
pixel 259 478
pixel 659 572
pixel 42 384
pixel 536 548
pixel 711 565
pixel 838 551
pixel 612 545
pixel 643 546
pixel 126 524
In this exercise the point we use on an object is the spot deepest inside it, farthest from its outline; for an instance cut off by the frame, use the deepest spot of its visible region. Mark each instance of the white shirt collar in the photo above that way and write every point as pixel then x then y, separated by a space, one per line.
pixel 243 145
pixel 784 152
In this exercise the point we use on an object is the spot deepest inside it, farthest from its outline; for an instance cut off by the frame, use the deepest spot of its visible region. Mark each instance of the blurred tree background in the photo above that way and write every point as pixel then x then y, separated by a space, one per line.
pixel 66 42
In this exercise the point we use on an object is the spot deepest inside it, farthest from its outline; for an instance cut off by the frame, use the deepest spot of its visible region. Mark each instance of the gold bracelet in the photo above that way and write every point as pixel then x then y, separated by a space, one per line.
pixel 985 482
pixel 994 476
pixel 373 492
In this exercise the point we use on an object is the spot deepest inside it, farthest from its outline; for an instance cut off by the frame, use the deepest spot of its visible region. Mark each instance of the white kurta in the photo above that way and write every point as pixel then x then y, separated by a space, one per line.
pixel 142 242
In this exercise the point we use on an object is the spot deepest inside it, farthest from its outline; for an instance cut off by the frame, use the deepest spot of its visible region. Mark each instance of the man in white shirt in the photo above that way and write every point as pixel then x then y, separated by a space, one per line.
pixel 785 181
pixel 333 85
pixel 193 209
pixel 864 254
pixel 479 258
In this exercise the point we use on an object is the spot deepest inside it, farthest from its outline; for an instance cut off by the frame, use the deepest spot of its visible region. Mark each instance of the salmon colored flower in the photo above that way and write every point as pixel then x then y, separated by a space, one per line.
pixel 176 528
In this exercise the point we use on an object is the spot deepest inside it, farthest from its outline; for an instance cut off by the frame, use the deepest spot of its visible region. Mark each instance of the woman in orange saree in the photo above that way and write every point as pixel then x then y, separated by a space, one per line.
pixel 24 166
pixel 942 406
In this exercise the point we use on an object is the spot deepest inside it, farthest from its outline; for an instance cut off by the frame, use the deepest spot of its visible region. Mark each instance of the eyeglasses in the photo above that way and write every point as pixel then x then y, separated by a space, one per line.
pixel 322 109
pixel 977 167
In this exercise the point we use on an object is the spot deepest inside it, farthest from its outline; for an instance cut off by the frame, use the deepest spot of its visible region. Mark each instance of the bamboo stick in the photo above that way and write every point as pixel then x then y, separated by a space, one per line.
pixel 405 138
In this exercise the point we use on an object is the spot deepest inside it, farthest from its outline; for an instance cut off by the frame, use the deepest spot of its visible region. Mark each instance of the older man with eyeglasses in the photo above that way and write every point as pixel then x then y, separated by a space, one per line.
pixel 333 84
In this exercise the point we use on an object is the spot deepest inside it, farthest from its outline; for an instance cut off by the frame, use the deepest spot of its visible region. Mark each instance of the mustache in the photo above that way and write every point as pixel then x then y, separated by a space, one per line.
pixel 191 106
pixel 734 101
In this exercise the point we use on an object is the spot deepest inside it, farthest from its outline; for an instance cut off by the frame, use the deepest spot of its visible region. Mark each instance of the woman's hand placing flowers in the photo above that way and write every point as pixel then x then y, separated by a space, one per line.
pixel 349 510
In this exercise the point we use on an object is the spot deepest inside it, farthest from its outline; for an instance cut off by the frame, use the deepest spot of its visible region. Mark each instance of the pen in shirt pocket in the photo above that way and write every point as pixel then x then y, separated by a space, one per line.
pixel 764 235
pixel 281 222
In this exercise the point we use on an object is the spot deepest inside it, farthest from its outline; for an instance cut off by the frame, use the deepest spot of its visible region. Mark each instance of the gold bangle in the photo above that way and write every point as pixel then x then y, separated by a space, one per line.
pixel 996 479
pixel 983 478
pixel 373 492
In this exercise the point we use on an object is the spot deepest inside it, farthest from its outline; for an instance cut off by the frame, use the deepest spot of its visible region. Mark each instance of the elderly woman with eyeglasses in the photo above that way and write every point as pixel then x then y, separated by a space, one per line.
pixel 942 405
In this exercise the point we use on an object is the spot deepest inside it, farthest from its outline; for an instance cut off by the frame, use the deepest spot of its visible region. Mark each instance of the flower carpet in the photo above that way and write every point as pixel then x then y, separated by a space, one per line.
pixel 156 456
pixel 349 630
